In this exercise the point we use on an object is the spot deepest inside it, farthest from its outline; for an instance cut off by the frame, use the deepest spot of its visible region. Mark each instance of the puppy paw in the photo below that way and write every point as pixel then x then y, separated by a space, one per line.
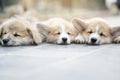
pixel 117 40
pixel 79 40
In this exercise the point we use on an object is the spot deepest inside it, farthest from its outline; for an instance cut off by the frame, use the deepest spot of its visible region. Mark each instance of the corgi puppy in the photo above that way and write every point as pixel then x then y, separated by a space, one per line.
pixel 94 31
pixel 18 31
pixel 60 31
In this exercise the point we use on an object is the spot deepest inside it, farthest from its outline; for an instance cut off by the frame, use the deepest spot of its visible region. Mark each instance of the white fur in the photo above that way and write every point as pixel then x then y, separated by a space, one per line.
pixel 59 22
pixel 95 35
pixel 106 41
pixel 79 38
pixel 109 3
pixel 117 40
pixel 63 35
pixel 87 39
pixel 24 41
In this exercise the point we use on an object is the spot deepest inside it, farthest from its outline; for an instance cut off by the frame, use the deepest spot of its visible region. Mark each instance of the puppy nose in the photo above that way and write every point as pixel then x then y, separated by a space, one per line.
pixel 5 41
pixel 64 39
pixel 93 40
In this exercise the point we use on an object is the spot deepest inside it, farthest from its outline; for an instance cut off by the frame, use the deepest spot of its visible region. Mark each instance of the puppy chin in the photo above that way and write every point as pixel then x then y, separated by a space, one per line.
pixel 94 44
pixel 13 43
pixel 9 44
pixel 63 43
pixel 60 42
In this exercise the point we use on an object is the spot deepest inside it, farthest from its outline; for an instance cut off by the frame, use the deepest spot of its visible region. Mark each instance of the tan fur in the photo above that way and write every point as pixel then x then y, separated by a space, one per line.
pixel 88 26
pixel 23 7
pixel 27 34
pixel 14 10
pixel 55 26
pixel 104 28
pixel 28 4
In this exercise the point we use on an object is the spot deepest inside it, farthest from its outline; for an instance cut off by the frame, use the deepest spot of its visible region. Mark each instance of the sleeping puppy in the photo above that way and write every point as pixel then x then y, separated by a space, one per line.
pixel 94 31
pixel 60 31
pixel 18 31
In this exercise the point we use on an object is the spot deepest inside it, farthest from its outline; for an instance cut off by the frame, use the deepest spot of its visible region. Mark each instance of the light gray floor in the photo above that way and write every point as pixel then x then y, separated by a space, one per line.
pixel 61 62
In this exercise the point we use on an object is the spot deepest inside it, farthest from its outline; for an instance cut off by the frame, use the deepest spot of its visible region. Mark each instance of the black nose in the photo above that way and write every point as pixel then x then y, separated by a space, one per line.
pixel 93 40
pixel 5 41
pixel 64 39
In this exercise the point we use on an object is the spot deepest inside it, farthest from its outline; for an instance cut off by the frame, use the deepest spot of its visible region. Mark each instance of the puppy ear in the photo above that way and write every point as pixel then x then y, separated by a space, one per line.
pixel 79 24
pixel 115 31
pixel 35 35
pixel 1 30
pixel 43 29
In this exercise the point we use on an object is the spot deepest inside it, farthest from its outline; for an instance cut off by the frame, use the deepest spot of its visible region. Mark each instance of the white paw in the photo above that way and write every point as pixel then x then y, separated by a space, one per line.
pixel 117 40
pixel 79 40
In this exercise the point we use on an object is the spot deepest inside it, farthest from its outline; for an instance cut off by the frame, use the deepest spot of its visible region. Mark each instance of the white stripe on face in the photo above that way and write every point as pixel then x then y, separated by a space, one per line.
pixel 97 28
pixel 63 35
pixel 95 35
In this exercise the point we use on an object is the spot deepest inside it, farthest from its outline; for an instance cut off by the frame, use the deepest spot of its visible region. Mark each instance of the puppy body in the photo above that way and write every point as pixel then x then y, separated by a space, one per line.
pixel 94 31
pixel 18 31
pixel 60 31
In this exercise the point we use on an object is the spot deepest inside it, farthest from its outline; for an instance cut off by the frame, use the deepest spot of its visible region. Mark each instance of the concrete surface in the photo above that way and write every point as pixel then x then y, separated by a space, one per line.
pixel 61 62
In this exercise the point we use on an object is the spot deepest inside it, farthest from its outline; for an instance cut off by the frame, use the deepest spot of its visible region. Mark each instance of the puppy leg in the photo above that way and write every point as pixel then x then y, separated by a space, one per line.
pixel 117 40
pixel 79 39
pixel 35 35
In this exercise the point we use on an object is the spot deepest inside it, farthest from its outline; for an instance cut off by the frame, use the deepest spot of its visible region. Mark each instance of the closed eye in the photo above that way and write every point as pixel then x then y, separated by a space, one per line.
pixel 16 35
pixel 90 32
pixel 68 33
pixel 102 34
pixel 5 33
pixel 58 33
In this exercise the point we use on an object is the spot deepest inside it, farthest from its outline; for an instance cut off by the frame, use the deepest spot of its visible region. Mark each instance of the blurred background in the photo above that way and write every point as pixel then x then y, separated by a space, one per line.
pixel 44 9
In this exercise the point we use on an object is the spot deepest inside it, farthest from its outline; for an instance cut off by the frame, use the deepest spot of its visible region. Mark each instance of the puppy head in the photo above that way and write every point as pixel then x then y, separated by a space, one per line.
pixel 18 32
pixel 61 34
pixel 94 31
